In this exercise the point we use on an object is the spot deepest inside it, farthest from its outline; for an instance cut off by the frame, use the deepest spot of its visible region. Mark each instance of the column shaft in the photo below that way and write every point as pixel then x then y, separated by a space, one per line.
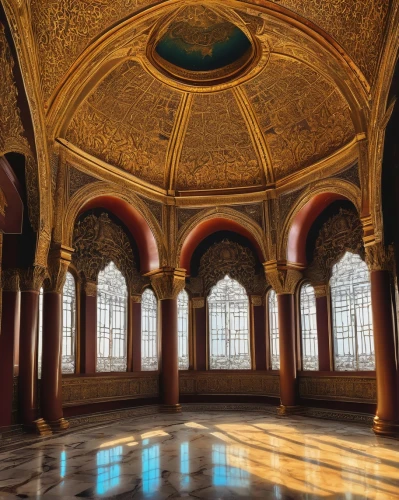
pixel 170 368
pixel 260 336
pixel 200 338
pixel 136 332
pixel 286 325
pixel 88 346
pixel 323 334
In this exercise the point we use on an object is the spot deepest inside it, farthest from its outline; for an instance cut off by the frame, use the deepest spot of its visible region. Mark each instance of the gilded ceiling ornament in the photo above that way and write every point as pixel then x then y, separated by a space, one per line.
pixel 97 240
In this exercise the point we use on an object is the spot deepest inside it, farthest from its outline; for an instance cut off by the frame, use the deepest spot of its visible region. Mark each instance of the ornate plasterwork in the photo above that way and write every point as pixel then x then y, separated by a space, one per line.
pixel 78 179
pixel 379 257
pixel 127 122
pixel 32 279
pixel 97 240
pixel 155 208
pixel 283 278
pixel 168 282
pixel 358 389
pixel 350 174
pixel 217 150
pixel 239 262
pixel 303 117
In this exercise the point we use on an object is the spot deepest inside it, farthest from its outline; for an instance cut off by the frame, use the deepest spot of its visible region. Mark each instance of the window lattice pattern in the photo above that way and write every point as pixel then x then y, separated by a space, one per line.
pixel 228 326
pixel 68 325
pixel 40 336
pixel 111 320
pixel 182 327
pixel 149 331
pixel 351 312
pixel 310 357
pixel 273 331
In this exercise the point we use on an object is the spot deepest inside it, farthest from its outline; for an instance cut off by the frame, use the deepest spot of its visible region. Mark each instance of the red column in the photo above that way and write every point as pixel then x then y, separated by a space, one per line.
pixel 51 385
pixel 88 346
pixel 199 311
pixel 286 325
pixel 136 332
pixel 323 331
pixel 259 322
pixel 9 335
pixel 386 421
pixel 169 363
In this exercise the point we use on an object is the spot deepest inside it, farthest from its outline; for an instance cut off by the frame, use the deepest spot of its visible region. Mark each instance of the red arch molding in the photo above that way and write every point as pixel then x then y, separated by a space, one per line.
pixel 208 227
pixel 137 225
pixel 303 220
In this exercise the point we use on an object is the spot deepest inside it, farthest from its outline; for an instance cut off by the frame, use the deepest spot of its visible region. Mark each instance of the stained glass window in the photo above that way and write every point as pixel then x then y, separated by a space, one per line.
pixel 182 329
pixel 40 336
pixel 149 331
pixel 111 320
pixel 310 357
pixel 68 325
pixel 351 314
pixel 273 330
pixel 229 346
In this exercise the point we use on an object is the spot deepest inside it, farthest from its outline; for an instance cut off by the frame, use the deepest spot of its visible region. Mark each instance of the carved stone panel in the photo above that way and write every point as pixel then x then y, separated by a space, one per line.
pixel 261 384
pixel 357 389
pixel 350 174
pixel 255 212
pixel 78 179
pixel 155 208
pixel 185 214
pixel 86 390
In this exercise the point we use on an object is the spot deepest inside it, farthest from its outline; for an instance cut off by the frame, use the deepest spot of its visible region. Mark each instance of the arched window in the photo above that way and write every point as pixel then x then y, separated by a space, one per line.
pixel 228 326
pixel 40 336
pixel 310 356
pixel 149 331
pixel 273 330
pixel 182 329
pixel 111 320
pixel 68 325
pixel 351 314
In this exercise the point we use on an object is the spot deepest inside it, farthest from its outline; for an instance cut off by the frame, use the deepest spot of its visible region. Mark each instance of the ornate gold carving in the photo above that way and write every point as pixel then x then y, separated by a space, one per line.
pixel 258 383
pixel 320 290
pixel 127 122
pixel 3 203
pixel 341 233
pixel 217 150
pixel 98 241
pixel 198 302
pixel 303 116
pixel 357 389
pixel 11 130
pixel 86 390
pixel 32 278
pixel 10 280
pixel 282 277
pixel 155 208
pixel 168 282
pixel 379 257
pixel 350 174
pixel 256 300
pixel 78 179
pixel 239 262
pixel 136 298
pixel 59 260
pixel 90 288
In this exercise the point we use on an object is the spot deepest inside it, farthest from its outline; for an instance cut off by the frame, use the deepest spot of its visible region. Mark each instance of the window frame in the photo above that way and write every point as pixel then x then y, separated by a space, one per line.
pixel 299 326
pixel 157 323
pixel 74 343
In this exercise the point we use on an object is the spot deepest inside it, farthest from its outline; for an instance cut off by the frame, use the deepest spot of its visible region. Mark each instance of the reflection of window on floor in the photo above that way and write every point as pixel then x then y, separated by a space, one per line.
pixel 108 469
pixel 63 461
pixel 227 462
pixel 150 468
pixel 185 464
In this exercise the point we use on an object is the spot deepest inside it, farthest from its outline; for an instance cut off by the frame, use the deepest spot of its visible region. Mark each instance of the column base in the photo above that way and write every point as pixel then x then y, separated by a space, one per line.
pixel 42 428
pixel 59 425
pixel 285 411
pixel 385 428
pixel 171 408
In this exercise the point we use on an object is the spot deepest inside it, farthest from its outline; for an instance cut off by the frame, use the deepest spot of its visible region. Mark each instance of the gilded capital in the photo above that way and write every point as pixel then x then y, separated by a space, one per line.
pixel 168 282
pixel 135 298
pixel 198 302
pixel 32 279
pixel 283 277
pixel 320 290
pixel 90 288
pixel 256 300
pixel 380 257
pixel 10 280
pixel 59 260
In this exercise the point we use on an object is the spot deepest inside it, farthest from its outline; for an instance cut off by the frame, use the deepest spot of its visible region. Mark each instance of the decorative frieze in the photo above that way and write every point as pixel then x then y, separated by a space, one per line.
pixel 356 389
pixel 215 382
pixel 86 390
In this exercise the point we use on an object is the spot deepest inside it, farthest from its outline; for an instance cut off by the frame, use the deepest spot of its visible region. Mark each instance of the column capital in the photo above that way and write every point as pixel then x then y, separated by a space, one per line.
pixel 10 280
pixel 90 288
pixel 256 300
pixel 283 276
pixel 32 279
pixel 168 282
pixel 136 298
pixel 198 302
pixel 380 257
pixel 59 260
pixel 320 290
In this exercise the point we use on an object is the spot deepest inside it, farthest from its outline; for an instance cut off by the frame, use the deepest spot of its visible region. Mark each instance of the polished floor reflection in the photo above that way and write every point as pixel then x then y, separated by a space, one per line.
pixel 207 455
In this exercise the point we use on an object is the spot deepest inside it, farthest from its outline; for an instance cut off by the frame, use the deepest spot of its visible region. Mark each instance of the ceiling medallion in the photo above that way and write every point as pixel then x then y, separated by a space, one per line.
pixel 198 49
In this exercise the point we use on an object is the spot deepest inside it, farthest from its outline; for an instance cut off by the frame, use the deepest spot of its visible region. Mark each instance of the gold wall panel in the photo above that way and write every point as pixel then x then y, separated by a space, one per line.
pixel 127 122
pixel 86 390
pixel 217 150
pixel 357 389
pixel 213 382
pixel 303 117
pixel 64 28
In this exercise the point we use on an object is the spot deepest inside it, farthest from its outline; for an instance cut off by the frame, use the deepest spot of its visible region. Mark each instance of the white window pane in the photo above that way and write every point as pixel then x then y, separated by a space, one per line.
pixel 310 356
pixel 182 329
pixel 149 331
pixel 273 331
pixel 68 325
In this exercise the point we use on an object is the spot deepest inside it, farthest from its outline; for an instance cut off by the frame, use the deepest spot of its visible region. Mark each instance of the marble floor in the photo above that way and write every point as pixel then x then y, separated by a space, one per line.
pixel 207 455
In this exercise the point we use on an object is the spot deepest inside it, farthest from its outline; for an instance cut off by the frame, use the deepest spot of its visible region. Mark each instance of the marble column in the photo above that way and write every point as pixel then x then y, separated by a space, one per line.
pixel 167 283
pixel 323 327
pixel 284 279
pixel 8 337
pixel 386 421
pixel 30 283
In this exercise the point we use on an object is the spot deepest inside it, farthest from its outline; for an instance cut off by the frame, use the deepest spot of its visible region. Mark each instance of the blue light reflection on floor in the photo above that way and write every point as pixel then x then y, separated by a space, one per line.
pixel 108 470
pixel 185 464
pixel 151 473
pixel 63 462
pixel 223 473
